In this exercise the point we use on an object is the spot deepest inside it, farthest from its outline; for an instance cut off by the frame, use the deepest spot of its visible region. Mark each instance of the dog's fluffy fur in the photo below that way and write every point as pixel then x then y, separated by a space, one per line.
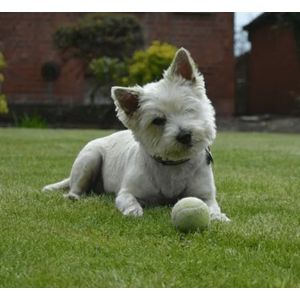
pixel 164 154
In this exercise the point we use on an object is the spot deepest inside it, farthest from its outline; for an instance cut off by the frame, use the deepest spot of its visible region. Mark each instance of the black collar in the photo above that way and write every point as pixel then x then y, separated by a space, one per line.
pixel 170 162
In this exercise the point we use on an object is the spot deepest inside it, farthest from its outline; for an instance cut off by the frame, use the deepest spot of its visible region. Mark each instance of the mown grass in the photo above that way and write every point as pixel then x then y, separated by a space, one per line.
pixel 46 241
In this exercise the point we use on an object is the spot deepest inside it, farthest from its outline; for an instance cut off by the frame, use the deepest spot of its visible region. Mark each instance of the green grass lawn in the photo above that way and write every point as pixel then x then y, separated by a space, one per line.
pixel 46 241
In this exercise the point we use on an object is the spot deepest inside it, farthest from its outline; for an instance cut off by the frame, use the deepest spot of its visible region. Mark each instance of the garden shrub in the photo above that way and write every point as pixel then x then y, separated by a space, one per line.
pixel 100 34
pixel 34 121
pixel 108 71
pixel 2 66
pixel 3 103
pixel 143 67
pixel 148 65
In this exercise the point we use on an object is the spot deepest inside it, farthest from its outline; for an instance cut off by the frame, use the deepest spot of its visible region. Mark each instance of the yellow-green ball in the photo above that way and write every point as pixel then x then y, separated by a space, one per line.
pixel 190 214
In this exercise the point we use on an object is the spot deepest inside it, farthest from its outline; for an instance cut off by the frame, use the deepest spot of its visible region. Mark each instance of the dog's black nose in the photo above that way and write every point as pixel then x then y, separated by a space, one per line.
pixel 184 137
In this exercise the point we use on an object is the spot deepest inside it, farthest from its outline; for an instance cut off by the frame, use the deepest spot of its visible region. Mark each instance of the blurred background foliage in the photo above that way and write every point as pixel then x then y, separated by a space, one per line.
pixel 112 46
pixel 3 103
pixel 99 34
pixel 144 66
pixel 148 65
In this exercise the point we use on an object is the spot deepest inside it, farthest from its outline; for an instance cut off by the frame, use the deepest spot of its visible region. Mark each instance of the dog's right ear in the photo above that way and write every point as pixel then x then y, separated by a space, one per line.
pixel 126 98
pixel 183 66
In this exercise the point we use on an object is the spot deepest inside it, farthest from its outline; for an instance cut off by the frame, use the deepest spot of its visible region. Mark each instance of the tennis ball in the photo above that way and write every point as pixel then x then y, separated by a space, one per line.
pixel 190 214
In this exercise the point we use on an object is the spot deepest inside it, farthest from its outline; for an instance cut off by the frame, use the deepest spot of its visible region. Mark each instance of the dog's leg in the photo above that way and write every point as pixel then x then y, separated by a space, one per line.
pixel 128 204
pixel 203 187
pixel 84 174
pixel 57 186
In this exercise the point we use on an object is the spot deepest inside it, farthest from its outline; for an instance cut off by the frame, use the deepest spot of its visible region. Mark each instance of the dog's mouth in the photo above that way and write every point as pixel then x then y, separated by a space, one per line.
pixel 174 150
pixel 185 151
pixel 175 155
pixel 168 162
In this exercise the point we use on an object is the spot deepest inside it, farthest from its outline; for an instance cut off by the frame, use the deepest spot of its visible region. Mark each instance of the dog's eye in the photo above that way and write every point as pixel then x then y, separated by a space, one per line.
pixel 159 121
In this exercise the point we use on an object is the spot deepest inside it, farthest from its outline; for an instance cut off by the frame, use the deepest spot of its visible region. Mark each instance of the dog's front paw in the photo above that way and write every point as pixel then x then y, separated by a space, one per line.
pixel 128 205
pixel 219 217
pixel 133 210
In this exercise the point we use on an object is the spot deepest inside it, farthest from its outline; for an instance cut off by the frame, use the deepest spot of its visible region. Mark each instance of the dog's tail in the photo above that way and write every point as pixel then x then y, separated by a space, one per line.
pixel 64 184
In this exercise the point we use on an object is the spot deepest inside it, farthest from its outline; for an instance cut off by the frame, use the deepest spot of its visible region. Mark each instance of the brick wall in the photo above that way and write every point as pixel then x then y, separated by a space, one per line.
pixel 26 40
pixel 274 71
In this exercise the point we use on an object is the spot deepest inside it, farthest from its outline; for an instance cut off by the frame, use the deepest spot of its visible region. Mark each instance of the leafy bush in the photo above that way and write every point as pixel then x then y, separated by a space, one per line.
pixel 143 67
pixel 34 121
pixel 101 34
pixel 3 103
pixel 148 65
pixel 108 71
pixel 2 66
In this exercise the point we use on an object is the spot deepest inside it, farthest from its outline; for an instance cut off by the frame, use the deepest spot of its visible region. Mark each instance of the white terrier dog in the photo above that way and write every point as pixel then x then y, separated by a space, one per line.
pixel 164 155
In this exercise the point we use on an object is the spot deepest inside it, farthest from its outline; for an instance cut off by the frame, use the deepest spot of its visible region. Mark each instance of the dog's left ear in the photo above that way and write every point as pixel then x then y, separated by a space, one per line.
pixel 127 98
pixel 182 65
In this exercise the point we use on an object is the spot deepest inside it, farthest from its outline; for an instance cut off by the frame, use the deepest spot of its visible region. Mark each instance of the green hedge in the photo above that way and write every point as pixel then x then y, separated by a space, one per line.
pixel 3 103
pixel 99 34
pixel 148 65
pixel 143 67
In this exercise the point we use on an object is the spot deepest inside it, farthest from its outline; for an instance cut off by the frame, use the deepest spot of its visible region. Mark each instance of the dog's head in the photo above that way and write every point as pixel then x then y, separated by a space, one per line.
pixel 172 119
